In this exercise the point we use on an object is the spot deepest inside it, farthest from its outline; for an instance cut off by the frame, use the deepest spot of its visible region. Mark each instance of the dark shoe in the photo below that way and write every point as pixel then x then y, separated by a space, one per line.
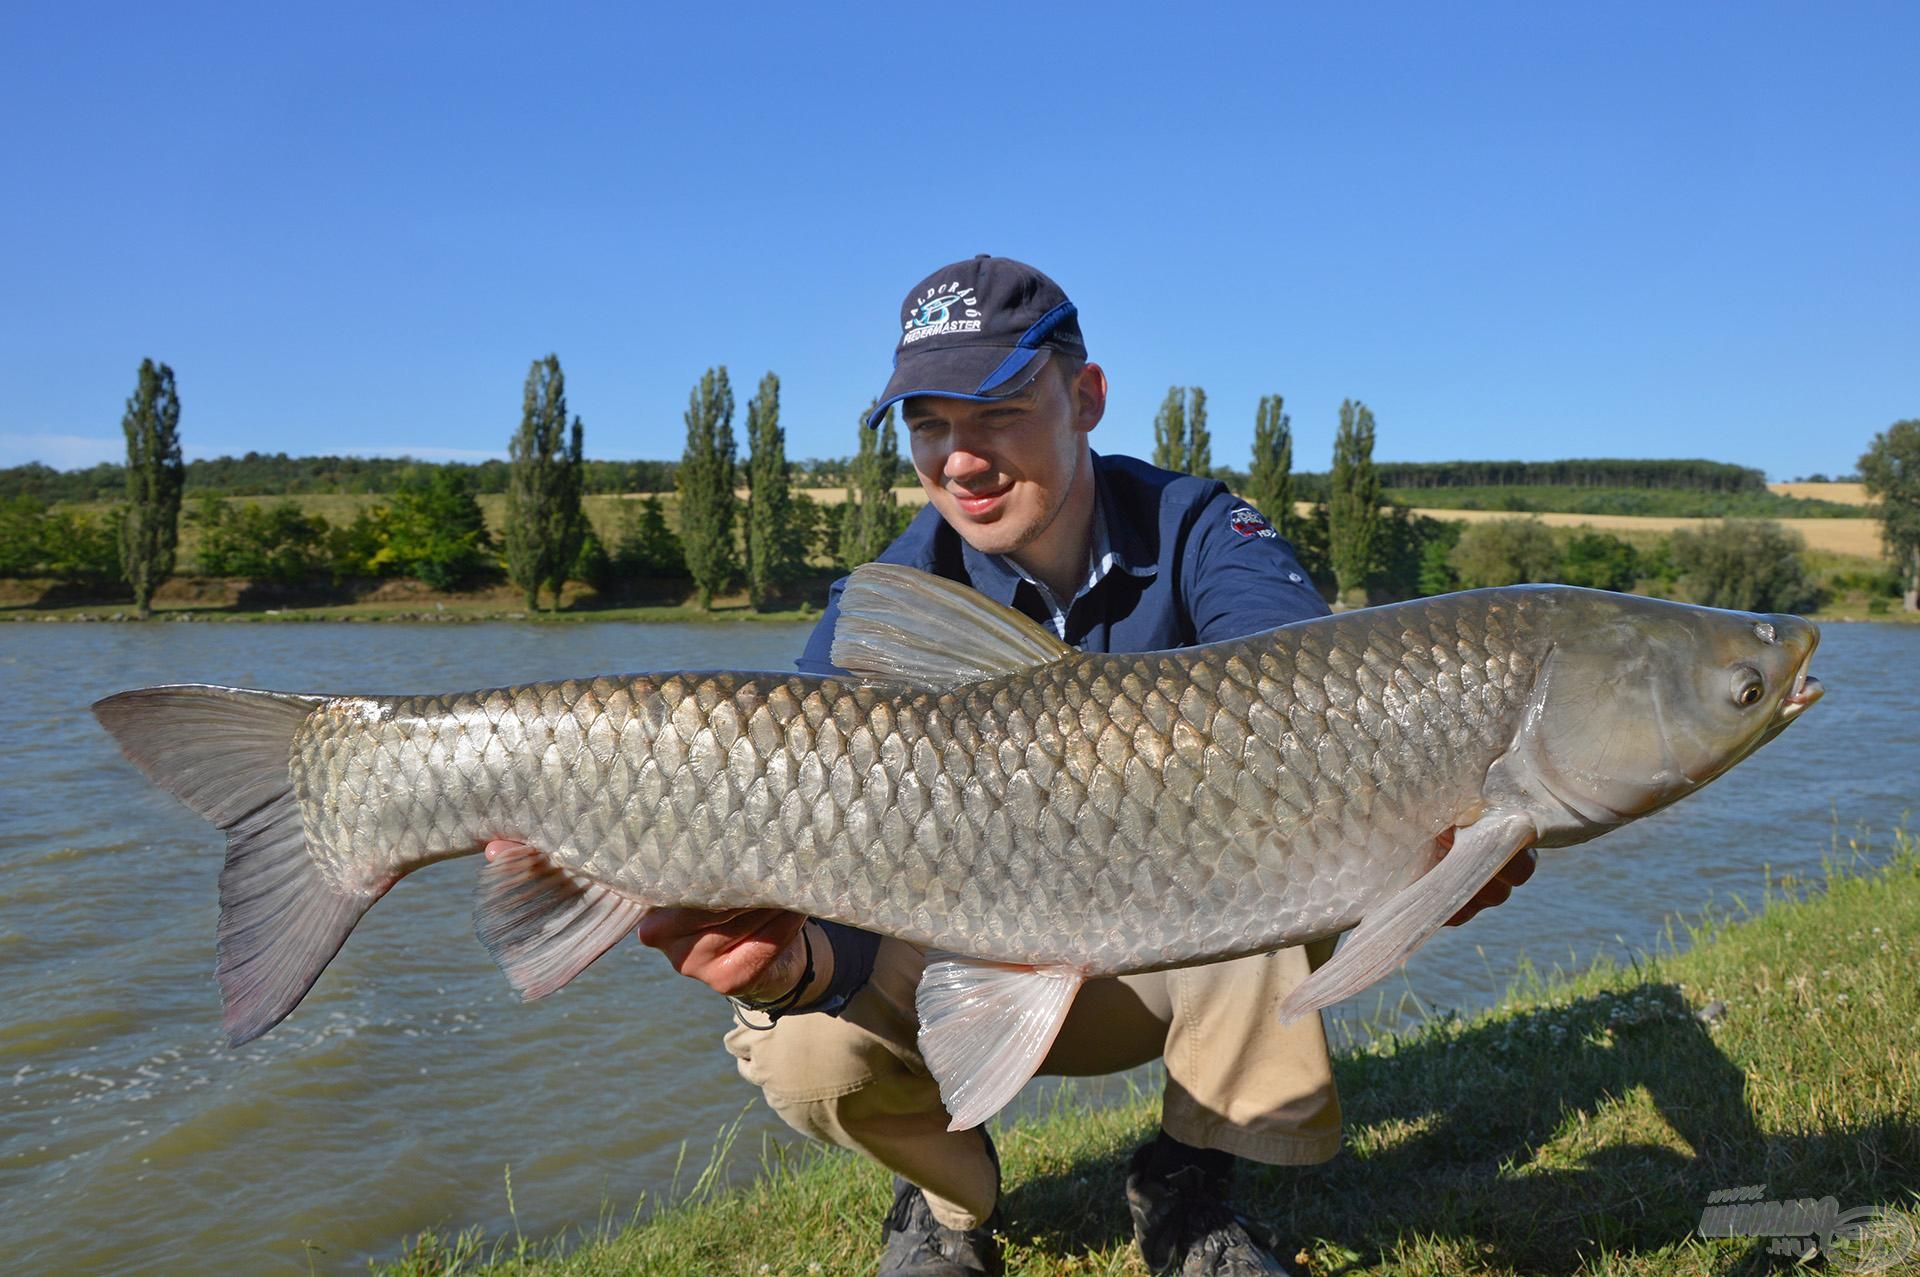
pixel 918 1245
pixel 1178 1198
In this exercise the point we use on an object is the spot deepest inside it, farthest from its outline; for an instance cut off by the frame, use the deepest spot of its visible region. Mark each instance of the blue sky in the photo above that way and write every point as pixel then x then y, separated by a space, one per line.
pixel 1521 230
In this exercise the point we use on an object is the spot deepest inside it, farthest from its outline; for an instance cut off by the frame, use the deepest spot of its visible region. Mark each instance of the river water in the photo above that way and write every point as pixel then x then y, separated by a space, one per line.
pixel 400 1092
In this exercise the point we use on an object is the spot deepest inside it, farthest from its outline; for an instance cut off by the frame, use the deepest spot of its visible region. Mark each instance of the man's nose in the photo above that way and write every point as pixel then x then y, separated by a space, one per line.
pixel 964 463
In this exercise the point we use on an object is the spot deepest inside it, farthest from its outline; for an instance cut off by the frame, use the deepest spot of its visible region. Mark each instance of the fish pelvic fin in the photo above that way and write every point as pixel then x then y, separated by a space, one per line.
pixel 544 925
pixel 226 753
pixel 1390 934
pixel 902 625
pixel 986 1026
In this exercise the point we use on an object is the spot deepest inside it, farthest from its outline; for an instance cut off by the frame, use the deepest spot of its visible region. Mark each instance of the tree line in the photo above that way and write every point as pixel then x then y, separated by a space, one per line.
pixel 1353 537
pixel 1373 551
pixel 431 527
pixel 1600 472
pixel 258 474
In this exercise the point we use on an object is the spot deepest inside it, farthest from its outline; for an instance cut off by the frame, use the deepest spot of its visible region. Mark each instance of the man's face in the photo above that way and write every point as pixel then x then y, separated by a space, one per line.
pixel 1000 472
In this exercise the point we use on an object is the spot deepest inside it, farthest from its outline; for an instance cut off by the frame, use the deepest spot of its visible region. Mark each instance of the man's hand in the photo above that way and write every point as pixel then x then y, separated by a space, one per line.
pixel 746 953
pixel 1499 887
pixel 755 954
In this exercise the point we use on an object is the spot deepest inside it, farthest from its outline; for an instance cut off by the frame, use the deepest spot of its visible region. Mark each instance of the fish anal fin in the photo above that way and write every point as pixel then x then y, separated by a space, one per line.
pixel 986 1026
pixel 1390 934
pixel 543 924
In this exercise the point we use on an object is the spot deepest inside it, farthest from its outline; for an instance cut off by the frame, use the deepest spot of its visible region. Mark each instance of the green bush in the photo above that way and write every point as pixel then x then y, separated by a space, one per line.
pixel 1599 561
pixel 645 545
pixel 63 544
pixel 1746 564
pixel 435 532
pixel 271 543
pixel 1409 543
pixel 356 549
pixel 1505 552
pixel 592 564
pixel 22 520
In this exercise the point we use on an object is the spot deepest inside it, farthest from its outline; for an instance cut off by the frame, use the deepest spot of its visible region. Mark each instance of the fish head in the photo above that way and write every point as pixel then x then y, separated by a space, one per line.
pixel 1642 701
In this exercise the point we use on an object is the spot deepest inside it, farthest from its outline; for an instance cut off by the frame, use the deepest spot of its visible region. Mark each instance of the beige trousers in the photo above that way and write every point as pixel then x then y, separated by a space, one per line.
pixel 1237 1080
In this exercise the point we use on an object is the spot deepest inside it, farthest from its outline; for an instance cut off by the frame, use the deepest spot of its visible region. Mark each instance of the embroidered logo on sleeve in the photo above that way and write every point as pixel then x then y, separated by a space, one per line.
pixel 1249 522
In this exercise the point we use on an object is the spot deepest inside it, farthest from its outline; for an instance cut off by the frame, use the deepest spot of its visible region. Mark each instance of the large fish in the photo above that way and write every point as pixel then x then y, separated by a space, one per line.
pixel 1033 814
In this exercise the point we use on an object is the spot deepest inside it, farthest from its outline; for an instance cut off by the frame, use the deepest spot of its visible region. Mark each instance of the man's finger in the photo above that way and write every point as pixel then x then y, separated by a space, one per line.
pixel 503 846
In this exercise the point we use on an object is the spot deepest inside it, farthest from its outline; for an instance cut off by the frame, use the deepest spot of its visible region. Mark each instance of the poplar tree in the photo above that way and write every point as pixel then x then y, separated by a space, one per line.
pixel 870 519
pixel 1890 470
pixel 705 482
pixel 1353 503
pixel 150 526
pixel 1180 438
pixel 771 557
pixel 1170 431
pixel 1199 442
pixel 1270 483
pixel 544 524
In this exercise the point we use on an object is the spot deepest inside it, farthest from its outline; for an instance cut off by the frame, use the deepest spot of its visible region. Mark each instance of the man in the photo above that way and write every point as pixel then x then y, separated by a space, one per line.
pixel 998 398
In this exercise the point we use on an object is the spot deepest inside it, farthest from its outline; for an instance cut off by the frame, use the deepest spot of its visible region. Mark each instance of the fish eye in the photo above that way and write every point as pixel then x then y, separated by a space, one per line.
pixel 1748 686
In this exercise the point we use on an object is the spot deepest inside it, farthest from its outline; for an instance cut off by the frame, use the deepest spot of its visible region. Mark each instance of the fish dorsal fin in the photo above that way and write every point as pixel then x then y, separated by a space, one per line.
pixel 986 1026
pixel 904 625
pixel 1391 931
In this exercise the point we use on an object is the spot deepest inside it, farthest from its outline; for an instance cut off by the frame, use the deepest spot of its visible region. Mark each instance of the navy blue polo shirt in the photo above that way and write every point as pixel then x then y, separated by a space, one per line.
pixel 1191 563
pixel 1179 560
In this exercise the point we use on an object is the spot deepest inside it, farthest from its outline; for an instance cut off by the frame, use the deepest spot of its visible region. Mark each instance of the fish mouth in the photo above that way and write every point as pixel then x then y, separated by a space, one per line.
pixel 1806 690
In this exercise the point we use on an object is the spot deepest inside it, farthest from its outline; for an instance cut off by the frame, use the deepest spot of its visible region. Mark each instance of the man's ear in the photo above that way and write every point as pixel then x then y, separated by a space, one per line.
pixel 1089 397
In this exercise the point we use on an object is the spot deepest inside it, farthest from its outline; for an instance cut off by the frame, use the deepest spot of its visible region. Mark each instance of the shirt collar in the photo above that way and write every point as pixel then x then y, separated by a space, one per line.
pixel 1117 543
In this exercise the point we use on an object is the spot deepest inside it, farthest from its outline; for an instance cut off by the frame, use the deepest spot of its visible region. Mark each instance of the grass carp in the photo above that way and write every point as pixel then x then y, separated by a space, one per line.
pixel 1033 815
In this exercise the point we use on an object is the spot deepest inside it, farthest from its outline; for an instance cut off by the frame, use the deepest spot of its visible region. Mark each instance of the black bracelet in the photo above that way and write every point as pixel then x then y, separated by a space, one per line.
pixel 786 1002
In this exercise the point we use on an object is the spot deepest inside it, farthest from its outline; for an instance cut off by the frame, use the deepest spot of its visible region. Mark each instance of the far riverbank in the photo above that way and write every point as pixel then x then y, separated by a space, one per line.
pixel 237 600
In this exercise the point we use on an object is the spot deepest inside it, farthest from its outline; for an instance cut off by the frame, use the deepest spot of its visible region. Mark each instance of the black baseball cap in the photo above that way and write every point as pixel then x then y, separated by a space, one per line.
pixel 979 329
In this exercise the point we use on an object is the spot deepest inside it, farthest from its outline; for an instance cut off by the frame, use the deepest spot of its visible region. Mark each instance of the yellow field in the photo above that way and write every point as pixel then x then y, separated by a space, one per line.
pixel 915 496
pixel 1857 537
pixel 1844 493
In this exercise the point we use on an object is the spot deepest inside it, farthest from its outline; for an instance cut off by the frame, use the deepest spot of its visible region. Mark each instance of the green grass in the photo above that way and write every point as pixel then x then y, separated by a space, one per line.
pixel 1671 503
pixel 1577 1128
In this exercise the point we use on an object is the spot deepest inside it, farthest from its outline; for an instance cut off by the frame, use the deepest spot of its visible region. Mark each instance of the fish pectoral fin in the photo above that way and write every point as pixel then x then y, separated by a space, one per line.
pixel 986 1026
pixel 543 924
pixel 1389 935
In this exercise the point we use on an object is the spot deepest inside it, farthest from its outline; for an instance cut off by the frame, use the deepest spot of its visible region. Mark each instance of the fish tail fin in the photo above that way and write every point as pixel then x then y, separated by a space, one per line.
pixel 225 752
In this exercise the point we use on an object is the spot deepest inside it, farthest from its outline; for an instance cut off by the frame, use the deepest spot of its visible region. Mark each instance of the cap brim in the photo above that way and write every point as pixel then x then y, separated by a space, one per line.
pixel 977 373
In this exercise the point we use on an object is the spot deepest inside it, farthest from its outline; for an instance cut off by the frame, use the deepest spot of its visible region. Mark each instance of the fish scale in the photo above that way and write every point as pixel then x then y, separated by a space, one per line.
pixel 1030 815
pixel 1296 767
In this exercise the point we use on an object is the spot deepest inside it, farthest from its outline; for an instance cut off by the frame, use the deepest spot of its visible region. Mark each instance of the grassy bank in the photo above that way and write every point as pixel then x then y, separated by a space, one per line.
pixel 1578 1127
pixel 241 600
